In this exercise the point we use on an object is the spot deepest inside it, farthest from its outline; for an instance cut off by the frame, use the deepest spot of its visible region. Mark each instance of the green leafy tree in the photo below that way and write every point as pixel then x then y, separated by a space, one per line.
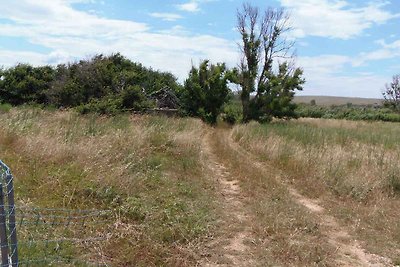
pixel 274 98
pixel 25 84
pixel 206 91
pixel 391 93
pixel 265 92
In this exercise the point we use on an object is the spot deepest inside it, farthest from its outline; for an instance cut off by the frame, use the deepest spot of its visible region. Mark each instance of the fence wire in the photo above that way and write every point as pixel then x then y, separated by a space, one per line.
pixel 47 237
pixel 8 231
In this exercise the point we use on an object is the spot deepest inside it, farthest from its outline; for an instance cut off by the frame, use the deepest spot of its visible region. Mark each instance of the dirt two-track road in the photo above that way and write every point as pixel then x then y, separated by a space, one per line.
pixel 238 243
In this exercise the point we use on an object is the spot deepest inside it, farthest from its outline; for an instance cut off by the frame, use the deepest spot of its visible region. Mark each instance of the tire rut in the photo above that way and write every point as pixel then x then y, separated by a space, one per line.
pixel 348 250
pixel 233 247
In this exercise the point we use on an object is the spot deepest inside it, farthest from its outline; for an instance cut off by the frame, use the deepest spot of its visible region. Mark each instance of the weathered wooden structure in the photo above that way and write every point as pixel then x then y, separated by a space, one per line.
pixel 166 101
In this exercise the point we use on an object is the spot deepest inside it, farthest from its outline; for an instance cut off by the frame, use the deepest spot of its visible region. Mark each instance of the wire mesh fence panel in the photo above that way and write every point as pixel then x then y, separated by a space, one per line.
pixel 48 237
pixel 58 235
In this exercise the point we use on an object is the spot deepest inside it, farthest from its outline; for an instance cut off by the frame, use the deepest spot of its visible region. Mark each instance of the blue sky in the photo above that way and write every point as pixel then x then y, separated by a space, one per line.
pixel 346 48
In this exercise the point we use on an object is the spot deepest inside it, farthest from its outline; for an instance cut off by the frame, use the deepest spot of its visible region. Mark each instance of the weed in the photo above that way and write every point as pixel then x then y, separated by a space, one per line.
pixel 5 108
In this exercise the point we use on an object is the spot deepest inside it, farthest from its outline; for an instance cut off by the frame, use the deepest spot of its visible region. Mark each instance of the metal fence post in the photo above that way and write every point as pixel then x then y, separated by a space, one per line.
pixel 11 220
pixel 3 231
pixel 8 229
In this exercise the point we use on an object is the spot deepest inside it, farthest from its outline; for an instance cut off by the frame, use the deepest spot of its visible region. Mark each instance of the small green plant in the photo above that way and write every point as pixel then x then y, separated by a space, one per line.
pixel 5 108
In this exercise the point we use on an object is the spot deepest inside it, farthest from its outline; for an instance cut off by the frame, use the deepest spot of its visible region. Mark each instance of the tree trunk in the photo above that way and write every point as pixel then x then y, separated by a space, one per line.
pixel 245 97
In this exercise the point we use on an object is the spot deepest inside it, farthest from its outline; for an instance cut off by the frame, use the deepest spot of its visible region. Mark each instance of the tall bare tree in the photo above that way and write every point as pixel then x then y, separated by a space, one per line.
pixel 263 41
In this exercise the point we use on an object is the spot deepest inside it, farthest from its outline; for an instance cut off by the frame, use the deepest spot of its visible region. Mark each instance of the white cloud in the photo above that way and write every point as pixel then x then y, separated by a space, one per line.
pixel 394 45
pixel 176 30
pixel 72 34
pixel 325 75
pixel 334 19
pixel 324 64
pixel 57 17
pixel 192 6
pixel 386 51
pixel 346 85
pixel 8 58
pixel 166 16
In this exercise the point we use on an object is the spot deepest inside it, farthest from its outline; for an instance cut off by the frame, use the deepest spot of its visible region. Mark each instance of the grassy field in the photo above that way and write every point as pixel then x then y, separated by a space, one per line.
pixel 337 100
pixel 350 167
pixel 146 170
pixel 310 192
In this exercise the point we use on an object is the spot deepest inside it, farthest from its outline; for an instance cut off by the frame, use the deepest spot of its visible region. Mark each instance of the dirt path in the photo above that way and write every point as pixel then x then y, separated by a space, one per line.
pixel 234 246
pixel 349 251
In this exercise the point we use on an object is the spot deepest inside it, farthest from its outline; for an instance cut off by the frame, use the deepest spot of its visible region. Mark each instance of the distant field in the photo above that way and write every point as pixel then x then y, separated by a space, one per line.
pixel 337 100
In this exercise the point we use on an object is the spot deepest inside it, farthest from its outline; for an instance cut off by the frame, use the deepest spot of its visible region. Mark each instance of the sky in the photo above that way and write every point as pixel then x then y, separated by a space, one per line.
pixel 345 47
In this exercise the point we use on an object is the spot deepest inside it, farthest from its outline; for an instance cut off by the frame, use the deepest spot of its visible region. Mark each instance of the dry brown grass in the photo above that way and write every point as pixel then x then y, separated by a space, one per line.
pixel 146 169
pixel 351 167
pixel 285 233
pixel 154 175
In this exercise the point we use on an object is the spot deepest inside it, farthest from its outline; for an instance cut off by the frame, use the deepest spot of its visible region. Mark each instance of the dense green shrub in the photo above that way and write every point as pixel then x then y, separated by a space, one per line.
pixel 206 91
pixel 130 99
pixel 101 84
pixel 79 83
pixel 23 84
pixel 232 112
pixel 110 105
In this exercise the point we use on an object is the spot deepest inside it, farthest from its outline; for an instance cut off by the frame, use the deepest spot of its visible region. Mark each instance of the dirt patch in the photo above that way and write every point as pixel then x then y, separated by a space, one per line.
pixel 232 247
pixel 348 250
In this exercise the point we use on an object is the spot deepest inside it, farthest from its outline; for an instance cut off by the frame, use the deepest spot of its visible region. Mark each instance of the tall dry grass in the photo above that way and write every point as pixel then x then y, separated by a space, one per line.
pixel 145 169
pixel 285 234
pixel 351 166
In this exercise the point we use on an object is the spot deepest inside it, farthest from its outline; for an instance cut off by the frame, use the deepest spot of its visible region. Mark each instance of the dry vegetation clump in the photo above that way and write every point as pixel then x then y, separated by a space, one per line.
pixel 145 169
pixel 352 167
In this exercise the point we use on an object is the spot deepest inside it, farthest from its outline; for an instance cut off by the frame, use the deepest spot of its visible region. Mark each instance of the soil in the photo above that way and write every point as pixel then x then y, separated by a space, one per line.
pixel 233 248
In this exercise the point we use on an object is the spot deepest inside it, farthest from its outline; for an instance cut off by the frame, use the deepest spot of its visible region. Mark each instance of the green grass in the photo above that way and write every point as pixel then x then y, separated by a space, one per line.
pixel 306 133
pixel 348 112
pixel 334 100
pixel 145 169
pixel 4 108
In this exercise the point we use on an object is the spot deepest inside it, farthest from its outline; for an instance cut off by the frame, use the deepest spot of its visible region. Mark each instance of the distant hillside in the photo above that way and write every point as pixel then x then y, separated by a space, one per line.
pixel 337 100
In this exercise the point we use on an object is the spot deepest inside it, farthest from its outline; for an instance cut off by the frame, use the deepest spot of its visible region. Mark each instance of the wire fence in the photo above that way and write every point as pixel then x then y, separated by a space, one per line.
pixel 50 237
pixel 8 231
